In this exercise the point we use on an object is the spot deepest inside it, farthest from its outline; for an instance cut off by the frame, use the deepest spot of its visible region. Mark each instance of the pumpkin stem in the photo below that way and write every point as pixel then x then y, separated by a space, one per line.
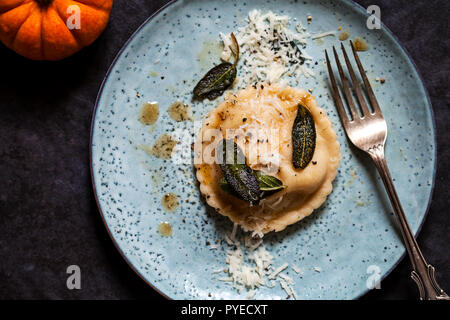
pixel 44 3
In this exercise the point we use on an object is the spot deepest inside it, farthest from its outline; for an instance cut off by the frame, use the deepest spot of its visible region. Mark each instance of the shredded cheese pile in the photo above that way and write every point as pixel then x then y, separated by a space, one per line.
pixel 270 50
pixel 258 272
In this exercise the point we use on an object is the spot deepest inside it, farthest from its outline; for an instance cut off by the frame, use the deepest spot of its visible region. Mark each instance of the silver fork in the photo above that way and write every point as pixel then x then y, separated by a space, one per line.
pixel 368 133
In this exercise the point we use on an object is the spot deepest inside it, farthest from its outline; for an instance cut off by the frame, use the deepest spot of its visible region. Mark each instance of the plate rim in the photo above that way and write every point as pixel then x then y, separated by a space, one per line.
pixel 358 7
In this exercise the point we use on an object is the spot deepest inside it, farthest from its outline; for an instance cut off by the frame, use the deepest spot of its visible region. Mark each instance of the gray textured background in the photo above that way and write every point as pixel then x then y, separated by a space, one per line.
pixel 48 215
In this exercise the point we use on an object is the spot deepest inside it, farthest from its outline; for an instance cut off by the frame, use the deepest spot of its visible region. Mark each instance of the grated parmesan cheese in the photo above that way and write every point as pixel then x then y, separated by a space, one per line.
pixel 233 233
pixel 256 234
pixel 254 270
pixel 297 270
pixel 286 278
pixel 251 294
pixel 277 271
pixel 218 271
pixel 323 34
pixel 269 48
pixel 228 240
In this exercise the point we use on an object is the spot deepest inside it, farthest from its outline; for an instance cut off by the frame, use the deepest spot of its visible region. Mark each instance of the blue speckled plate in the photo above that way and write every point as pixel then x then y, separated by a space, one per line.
pixel 353 230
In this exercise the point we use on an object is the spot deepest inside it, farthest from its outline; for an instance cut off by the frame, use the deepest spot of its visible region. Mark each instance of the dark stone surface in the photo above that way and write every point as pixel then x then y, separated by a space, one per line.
pixel 48 215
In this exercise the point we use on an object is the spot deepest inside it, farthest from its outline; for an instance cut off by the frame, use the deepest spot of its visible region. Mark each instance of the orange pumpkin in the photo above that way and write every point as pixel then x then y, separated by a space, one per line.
pixel 51 29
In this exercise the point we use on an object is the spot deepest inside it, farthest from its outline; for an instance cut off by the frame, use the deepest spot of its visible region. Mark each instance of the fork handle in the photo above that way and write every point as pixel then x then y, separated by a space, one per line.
pixel 423 273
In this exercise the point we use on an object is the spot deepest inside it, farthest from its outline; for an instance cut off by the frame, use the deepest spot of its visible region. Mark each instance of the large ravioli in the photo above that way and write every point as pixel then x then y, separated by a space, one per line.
pixel 260 120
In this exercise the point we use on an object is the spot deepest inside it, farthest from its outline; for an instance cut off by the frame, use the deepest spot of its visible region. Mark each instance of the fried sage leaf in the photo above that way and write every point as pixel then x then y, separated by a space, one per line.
pixel 219 78
pixel 303 138
pixel 267 184
pixel 227 188
pixel 239 176
pixel 215 82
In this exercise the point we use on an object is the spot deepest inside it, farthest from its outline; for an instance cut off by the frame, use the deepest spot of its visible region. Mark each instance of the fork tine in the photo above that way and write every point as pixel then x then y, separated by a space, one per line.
pixel 348 95
pixel 370 94
pixel 356 86
pixel 336 95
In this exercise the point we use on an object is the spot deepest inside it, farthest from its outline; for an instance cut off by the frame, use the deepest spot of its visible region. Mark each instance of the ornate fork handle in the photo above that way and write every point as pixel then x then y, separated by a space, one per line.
pixel 423 273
